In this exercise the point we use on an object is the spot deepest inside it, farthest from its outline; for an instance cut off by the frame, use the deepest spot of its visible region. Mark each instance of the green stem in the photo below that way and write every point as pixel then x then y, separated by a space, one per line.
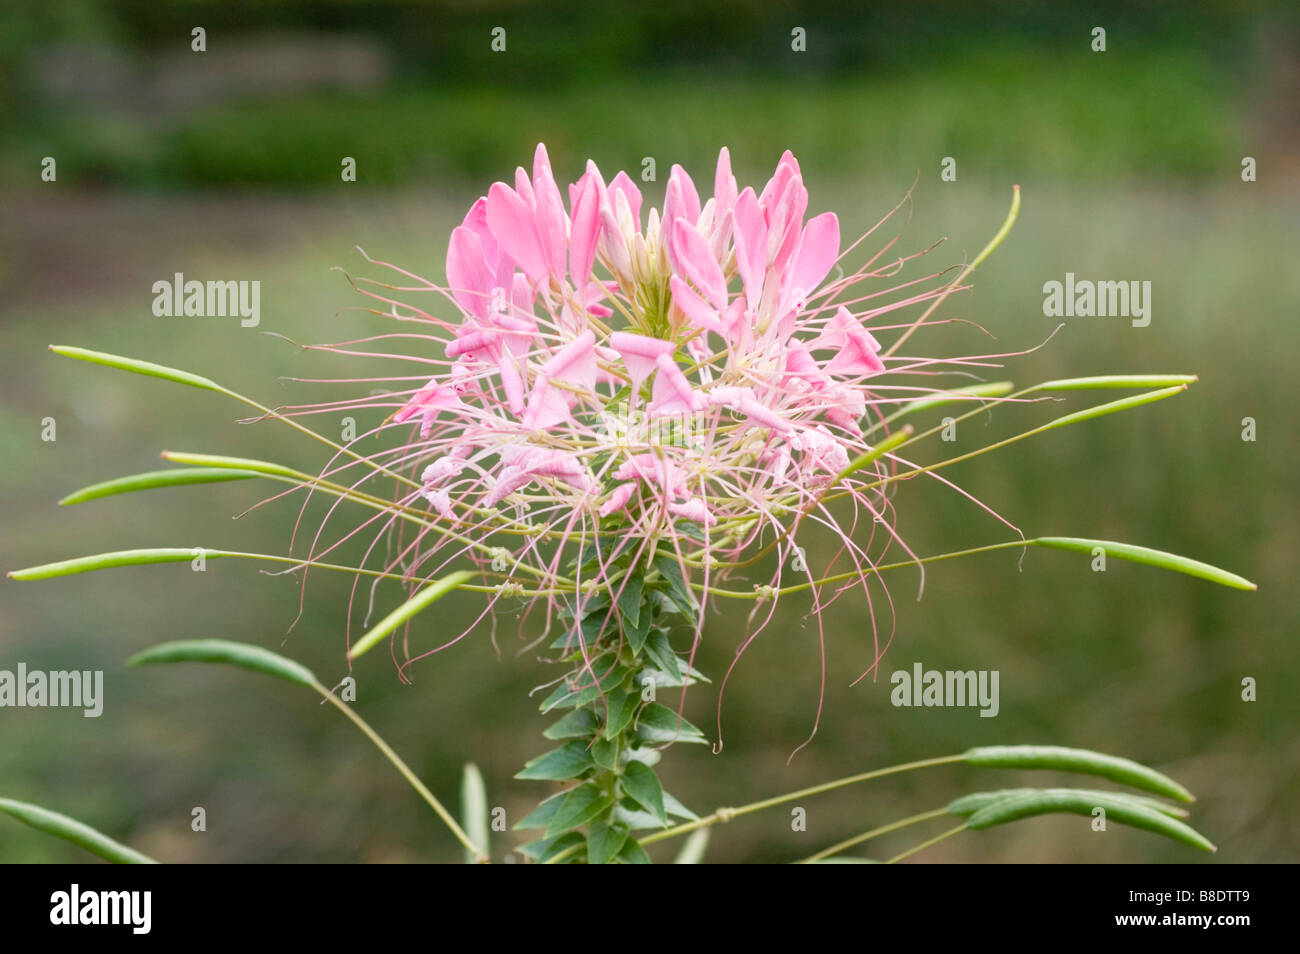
pixel 407 774
pixel 926 844
pixel 727 814
pixel 836 848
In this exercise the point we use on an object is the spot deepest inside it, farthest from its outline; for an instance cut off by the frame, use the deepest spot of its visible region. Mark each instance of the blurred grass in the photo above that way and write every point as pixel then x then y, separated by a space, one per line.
pixel 1041 114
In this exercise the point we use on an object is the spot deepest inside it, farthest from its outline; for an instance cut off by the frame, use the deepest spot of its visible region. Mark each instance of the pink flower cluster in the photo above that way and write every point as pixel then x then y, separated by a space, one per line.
pixel 714 326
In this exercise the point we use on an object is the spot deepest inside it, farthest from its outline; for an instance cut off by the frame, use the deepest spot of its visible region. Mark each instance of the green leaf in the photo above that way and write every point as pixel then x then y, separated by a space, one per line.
pixel 627 814
pixel 563 696
pixel 637 635
pixel 413 606
pixel 578 724
pixel 678 592
pixel 541 816
pixel 566 762
pixel 1124 811
pixel 969 804
pixel 604 842
pixel 642 786
pixel 545 848
pixel 629 599
pixel 580 805
pixel 604 752
pixel 1061 759
pixel 243 655
pixel 677 809
pixel 474 810
pixel 663 680
pixel 69 829
pixel 158 478
pixel 136 366
pixel 661 653
pixel 658 723
pixel 692 852
pixel 1166 561
pixel 105 561
pixel 622 707
pixel 633 854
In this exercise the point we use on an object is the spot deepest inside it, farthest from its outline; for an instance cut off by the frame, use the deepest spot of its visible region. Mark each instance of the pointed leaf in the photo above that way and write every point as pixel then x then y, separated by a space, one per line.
pixel 580 805
pixel 578 724
pixel 622 707
pixel 566 762
pixel 604 842
pixel 633 854
pixel 658 723
pixel 629 600
pixel 642 786
pixel 540 817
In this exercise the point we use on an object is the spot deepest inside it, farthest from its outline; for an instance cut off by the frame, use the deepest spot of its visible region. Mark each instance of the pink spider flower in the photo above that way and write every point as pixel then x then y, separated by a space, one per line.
pixel 692 383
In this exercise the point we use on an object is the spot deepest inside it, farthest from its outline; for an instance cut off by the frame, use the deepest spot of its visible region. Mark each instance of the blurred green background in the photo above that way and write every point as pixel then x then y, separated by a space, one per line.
pixel 225 164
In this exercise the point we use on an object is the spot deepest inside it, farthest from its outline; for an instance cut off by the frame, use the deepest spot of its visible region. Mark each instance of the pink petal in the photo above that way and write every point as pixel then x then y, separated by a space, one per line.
pixel 639 353
pixel 468 276
pixel 582 238
pixel 575 363
pixel 750 233
pixel 514 227
pixel 622 184
pixel 672 392
pixel 818 248
pixel 698 311
pixel 698 264
pixel 618 499
pixel 551 224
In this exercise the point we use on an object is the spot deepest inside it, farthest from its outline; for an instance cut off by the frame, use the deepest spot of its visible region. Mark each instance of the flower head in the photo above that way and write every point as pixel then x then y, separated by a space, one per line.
pixel 618 389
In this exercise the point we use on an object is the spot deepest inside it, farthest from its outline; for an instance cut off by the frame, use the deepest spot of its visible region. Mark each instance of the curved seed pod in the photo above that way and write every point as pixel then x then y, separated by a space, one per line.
pixel 69 829
pixel 1122 810
pixel 969 804
pixel 1061 759
pixel 230 653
